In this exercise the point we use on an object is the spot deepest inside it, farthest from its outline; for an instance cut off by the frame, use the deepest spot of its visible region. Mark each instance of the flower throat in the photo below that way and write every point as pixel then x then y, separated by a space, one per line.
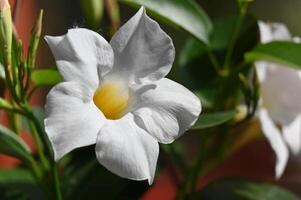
pixel 112 98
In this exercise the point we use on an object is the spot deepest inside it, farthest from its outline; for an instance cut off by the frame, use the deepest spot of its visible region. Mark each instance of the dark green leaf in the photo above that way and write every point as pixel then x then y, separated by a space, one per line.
pixel 214 119
pixel 242 189
pixel 222 32
pixel 281 52
pixel 197 72
pixel 224 29
pixel 19 184
pixel 185 14
pixel 46 77
pixel 264 191
pixel 12 145
pixel 247 40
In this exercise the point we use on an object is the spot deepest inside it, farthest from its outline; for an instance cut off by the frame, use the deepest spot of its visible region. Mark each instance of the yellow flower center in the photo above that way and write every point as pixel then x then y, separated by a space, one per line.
pixel 112 98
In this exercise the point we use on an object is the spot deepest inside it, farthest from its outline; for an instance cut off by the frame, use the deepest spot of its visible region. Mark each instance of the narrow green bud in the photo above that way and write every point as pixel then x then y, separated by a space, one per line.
pixel 17 51
pixel 92 11
pixel 34 40
pixel 5 31
pixel 37 29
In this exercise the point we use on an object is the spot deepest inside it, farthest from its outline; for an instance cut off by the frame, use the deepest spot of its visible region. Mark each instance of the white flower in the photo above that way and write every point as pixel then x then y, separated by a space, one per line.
pixel 115 96
pixel 280 106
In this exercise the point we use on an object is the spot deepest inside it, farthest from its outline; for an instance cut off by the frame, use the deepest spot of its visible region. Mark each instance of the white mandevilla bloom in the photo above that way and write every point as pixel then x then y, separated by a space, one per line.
pixel 280 106
pixel 115 95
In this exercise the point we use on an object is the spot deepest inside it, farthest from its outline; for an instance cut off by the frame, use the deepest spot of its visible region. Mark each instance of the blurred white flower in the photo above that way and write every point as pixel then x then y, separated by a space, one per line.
pixel 115 96
pixel 280 105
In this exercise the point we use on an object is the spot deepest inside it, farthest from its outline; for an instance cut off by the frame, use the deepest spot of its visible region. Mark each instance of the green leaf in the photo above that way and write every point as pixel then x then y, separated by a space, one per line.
pixel 19 184
pixel 264 191
pixel 16 175
pixel 281 52
pixel 243 189
pixel 222 32
pixel 46 77
pixel 186 14
pixel 213 119
pixel 12 145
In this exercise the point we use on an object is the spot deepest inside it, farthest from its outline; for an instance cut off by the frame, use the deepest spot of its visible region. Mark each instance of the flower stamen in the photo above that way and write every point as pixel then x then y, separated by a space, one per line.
pixel 112 99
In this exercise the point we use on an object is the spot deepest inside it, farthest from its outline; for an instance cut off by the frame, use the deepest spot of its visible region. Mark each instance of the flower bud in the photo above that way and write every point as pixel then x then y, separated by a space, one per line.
pixel 34 40
pixel 37 29
pixel 5 30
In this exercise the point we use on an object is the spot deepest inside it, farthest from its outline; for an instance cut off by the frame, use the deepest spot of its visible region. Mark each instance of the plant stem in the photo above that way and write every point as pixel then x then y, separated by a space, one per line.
pixel 232 41
pixel 217 67
pixel 56 180
pixel 39 146
pixel 113 12
pixel 214 62
pixel 35 169
pixel 39 130
pixel 193 174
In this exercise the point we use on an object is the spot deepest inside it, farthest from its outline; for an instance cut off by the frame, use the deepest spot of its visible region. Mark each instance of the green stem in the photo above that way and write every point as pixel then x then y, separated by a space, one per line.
pixel 42 135
pixel 233 40
pixel 12 117
pixel 40 130
pixel 39 133
pixel 35 170
pixel 39 146
pixel 37 173
pixel 114 14
pixel 217 67
pixel 178 159
pixel 57 187
pixel 27 79
pixel 214 63
pixel 9 83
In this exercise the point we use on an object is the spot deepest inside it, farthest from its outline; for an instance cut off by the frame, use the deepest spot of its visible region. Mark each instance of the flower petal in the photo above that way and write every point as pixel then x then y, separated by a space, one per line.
pixel 292 135
pixel 279 81
pixel 273 31
pixel 270 32
pixel 275 139
pixel 143 51
pixel 72 119
pixel 127 150
pixel 81 55
pixel 167 110
pixel 283 83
